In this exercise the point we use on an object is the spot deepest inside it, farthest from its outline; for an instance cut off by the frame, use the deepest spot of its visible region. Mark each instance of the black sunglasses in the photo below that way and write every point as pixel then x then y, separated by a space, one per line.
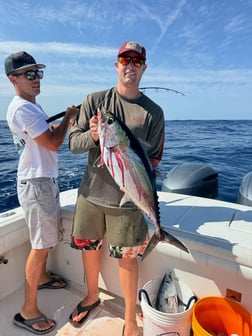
pixel 31 74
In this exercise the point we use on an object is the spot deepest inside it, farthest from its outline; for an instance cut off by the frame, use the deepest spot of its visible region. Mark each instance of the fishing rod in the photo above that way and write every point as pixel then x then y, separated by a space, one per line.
pixel 160 88
pixel 61 114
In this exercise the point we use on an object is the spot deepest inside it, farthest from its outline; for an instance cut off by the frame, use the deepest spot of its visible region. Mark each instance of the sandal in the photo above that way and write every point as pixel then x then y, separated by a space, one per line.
pixel 81 309
pixel 19 321
pixel 50 284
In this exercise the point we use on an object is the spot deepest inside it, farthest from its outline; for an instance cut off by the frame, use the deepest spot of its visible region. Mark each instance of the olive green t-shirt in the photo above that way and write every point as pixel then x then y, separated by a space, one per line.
pixel 142 116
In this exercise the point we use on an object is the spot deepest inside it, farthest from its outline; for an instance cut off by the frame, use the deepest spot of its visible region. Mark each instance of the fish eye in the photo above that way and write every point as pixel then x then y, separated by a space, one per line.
pixel 110 120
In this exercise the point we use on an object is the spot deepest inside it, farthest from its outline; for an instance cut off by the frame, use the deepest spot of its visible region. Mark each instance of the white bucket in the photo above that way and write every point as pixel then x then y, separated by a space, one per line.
pixel 157 323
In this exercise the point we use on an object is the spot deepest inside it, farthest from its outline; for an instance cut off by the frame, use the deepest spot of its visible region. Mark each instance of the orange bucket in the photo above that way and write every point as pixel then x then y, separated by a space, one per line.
pixel 218 314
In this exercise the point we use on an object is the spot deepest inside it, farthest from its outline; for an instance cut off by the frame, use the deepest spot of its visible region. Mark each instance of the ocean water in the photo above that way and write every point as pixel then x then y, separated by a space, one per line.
pixel 224 145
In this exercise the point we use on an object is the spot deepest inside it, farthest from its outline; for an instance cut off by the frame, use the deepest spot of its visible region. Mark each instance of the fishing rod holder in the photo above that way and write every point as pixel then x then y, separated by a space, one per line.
pixel 3 260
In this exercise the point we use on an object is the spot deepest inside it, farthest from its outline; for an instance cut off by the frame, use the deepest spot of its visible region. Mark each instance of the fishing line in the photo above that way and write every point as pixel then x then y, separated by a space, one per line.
pixel 157 88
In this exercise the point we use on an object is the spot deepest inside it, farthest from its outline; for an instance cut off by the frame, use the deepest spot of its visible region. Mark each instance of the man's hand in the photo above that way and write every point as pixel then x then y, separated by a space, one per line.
pixel 93 125
pixel 71 113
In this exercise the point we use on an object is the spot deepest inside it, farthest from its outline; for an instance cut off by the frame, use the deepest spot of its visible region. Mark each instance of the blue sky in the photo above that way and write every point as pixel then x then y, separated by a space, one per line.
pixel 202 48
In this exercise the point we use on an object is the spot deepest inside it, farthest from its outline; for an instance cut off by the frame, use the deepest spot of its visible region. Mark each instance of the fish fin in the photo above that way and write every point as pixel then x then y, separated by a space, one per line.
pixel 169 238
pixel 151 244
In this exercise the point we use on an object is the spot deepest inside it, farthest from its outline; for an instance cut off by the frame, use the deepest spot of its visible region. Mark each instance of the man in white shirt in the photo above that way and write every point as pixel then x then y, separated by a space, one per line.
pixel 37 186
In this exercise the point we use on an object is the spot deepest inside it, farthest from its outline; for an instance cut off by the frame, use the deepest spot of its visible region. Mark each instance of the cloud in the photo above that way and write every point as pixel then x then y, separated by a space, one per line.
pixel 236 24
pixel 201 48
pixel 161 15
pixel 74 49
pixel 78 14
pixel 69 65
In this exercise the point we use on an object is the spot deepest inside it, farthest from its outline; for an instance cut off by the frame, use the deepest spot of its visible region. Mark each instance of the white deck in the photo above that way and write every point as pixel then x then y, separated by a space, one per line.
pixel 105 320
pixel 218 234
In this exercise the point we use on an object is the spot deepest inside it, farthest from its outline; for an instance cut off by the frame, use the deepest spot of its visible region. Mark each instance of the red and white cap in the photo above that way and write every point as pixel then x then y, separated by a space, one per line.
pixel 132 46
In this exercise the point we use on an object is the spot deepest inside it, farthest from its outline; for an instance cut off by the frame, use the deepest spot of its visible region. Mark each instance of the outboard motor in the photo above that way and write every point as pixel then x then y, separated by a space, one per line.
pixel 192 179
pixel 245 191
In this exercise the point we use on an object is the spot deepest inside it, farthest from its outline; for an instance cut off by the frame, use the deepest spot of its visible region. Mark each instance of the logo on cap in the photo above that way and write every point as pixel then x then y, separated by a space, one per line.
pixel 134 46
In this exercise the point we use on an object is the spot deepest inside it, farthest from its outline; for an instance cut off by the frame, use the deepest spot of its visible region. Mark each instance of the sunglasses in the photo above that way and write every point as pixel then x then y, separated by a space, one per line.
pixel 126 60
pixel 31 75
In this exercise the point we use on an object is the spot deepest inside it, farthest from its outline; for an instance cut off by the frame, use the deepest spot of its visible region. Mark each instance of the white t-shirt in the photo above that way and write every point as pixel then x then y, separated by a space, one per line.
pixel 27 121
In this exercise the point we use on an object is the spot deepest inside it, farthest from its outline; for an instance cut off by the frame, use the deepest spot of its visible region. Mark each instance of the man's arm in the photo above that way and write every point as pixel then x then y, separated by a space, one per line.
pixel 53 139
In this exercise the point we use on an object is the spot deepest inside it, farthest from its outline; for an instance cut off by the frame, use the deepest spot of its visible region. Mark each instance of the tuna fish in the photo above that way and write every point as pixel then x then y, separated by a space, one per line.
pixel 167 298
pixel 129 165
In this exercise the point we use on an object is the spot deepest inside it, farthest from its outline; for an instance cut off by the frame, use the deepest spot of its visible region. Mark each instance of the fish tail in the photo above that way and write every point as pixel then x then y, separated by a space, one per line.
pixel 169 238
pixel 164 237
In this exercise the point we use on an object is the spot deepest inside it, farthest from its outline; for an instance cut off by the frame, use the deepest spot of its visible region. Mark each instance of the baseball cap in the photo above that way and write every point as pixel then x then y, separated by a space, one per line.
pixel 20 60
pixel 132 46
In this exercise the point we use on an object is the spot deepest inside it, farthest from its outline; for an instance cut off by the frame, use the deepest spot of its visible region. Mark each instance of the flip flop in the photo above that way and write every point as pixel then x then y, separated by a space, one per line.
pixel 81 309
pixel 50 284
pixel 19 321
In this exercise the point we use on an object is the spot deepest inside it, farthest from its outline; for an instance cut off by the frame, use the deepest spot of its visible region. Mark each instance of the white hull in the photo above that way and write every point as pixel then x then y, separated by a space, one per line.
pixel 218 234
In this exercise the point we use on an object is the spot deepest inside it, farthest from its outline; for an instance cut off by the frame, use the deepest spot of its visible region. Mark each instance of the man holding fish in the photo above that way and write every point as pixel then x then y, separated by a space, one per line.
pixel 104 205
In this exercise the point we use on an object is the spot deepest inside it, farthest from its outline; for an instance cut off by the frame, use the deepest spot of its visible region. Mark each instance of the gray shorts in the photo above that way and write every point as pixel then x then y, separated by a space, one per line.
pixel 123 226
pixel 39 198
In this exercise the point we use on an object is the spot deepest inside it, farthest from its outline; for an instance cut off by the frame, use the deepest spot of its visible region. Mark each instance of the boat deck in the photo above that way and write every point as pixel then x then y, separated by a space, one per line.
pixel 218 235
pixel 106 320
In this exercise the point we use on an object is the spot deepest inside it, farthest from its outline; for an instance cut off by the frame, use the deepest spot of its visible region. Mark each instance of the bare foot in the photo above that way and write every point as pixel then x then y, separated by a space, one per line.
pixel 130 329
